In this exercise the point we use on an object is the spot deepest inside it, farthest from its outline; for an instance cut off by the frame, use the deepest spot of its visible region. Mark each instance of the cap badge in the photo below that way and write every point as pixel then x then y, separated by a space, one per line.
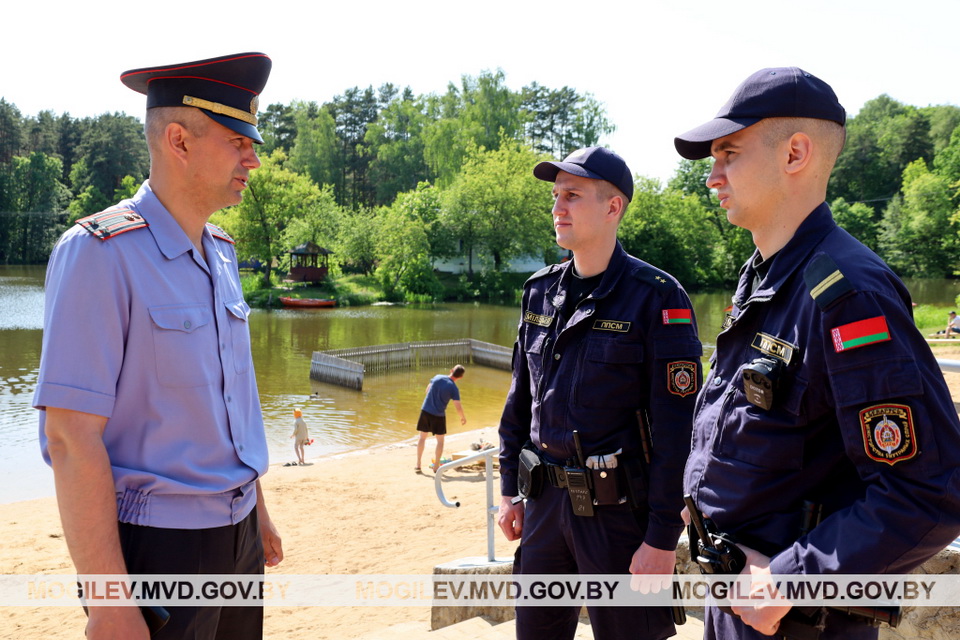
pixel 222 109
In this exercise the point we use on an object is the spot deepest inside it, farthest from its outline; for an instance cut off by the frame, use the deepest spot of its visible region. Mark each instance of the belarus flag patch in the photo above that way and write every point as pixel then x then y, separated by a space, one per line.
pixel 677 316
pixel 860 334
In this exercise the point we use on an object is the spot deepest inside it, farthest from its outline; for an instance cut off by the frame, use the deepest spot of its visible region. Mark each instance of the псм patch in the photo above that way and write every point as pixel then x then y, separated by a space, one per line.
pixel 888 433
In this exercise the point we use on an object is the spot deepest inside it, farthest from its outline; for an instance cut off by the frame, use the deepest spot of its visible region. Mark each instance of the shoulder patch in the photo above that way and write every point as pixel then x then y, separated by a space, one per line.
pixel 888 433
pixel 550 268
pixel 654 277
pixel 825 282
pixel 112 222
pixel 217 232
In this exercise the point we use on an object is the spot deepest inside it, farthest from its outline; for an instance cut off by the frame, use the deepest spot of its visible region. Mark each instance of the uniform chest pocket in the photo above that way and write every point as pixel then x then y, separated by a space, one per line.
pixel 239 311
pixel 773 438
pixel 185 345
pixel 610 375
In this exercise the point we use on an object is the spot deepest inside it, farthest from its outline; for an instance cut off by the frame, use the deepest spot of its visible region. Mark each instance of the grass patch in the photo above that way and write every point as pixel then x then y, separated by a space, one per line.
pixel 930 319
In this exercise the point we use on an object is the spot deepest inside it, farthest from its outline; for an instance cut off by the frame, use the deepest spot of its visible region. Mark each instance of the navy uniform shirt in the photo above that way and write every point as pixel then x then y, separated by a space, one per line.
pixel 861 421
pixel 143 330
pixel 629 346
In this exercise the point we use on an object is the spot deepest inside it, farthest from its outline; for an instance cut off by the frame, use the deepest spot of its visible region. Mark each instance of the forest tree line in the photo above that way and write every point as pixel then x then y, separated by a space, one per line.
pixel 391 181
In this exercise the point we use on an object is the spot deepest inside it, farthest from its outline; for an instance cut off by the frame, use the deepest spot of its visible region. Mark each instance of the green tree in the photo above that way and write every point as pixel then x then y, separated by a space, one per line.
pixel 403 253
pixel 919 237
pixel 858 220
pixel 33 184
pixel 315 146
pixel 112 147
pixel 275 196
pixel 943 120
pixel 353 112
pixel 11 131
pixel 882 140
pixel 672 231
pixel 558 121
pixel 479 113
pixel 278 128
pixel 357 240
pixel 396 143
pixel 496 204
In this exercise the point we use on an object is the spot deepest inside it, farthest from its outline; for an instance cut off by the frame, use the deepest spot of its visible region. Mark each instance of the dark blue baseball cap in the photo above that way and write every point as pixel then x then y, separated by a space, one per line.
pixel 784 92
pixel 598 163
pixel 226 88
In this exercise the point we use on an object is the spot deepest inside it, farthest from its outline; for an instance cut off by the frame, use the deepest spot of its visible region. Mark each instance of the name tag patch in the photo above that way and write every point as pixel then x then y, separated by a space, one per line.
pixel 533 318
pixel 888 433
pixel 774 347
pixel 682 378
pixel 611 325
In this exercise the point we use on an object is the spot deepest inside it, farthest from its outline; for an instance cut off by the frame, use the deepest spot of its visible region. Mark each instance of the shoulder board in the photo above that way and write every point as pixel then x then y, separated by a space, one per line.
pixel 217 232
pixel 112 222
pixel 550 268
pixel 661 281
pixel 825 282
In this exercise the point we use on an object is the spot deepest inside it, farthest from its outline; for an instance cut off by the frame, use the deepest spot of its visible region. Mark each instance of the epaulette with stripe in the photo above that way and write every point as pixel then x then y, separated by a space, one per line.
pixel 825 282
pixel 550 268
pixel 650 275
pixel 217 232
pixel 112 222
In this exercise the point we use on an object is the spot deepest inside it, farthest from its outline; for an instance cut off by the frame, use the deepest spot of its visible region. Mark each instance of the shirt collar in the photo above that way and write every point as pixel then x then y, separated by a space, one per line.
pixel 610 276
pixel 811 231
pixel 170 238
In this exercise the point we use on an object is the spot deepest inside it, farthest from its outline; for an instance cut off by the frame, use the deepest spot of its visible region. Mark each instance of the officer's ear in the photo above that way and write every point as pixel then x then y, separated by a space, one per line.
pixel 175 139
pixel 799 150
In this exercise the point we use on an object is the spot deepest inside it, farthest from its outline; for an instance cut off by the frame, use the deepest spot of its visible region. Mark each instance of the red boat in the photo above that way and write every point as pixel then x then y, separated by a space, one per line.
pixel 307 303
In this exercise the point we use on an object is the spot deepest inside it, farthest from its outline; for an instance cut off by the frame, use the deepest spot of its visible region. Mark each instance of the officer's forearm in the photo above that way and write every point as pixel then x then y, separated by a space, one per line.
pixel 86 495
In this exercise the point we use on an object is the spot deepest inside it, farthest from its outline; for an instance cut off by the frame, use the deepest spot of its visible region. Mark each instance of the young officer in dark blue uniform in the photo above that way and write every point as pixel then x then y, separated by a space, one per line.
pixel 150 414
pixel 607 353
pixel 822 395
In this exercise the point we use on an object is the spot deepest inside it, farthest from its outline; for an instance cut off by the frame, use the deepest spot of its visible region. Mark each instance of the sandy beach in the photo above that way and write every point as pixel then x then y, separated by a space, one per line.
pixel 364 512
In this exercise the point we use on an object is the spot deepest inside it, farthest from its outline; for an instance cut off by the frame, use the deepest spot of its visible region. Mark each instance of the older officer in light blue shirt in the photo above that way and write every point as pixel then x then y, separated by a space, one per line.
pixel 149 412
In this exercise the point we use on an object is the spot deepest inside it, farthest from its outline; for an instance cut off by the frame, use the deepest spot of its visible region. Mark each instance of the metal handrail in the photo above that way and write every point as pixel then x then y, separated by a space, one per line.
pixel 492 509
pixel 951 366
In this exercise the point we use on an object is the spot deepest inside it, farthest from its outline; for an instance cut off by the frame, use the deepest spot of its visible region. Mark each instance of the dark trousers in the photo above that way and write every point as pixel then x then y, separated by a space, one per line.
pixel 235 549
pixel 556 541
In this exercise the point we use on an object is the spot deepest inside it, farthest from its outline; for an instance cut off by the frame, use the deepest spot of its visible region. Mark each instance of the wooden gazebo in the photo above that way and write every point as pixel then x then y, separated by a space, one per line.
pixel 308 263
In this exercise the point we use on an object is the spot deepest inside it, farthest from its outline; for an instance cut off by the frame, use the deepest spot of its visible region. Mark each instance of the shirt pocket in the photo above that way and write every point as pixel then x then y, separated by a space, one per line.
pixel 185 345
pixel 610 375
pixel 771 439
pixel 239 311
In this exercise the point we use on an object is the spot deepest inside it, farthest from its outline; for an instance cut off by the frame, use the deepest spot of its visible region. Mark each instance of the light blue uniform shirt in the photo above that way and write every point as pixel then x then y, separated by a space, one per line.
pixel 142 330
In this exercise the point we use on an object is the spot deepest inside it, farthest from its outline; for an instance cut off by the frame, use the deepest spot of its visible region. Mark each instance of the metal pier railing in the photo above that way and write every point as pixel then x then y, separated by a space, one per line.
pixel 492 508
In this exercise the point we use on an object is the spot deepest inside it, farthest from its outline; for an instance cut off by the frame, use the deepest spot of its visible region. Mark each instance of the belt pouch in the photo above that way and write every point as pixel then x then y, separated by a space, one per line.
pixel 606 487
pixel 530 474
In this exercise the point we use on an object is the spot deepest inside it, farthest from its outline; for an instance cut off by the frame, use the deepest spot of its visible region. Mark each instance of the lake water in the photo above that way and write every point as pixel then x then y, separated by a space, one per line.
pixel 283 340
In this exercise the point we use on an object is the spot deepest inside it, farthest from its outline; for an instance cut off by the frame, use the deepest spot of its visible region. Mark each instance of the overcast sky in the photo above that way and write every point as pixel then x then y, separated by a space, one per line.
pixel 660 67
